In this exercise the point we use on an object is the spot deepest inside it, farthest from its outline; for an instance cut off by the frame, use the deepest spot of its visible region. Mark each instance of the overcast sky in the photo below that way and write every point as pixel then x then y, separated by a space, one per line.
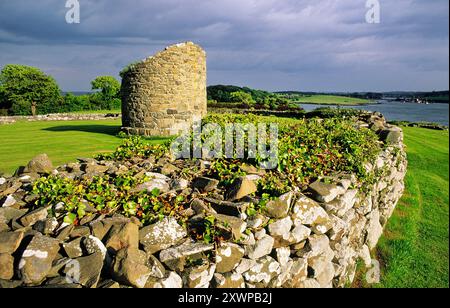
pixel 307 45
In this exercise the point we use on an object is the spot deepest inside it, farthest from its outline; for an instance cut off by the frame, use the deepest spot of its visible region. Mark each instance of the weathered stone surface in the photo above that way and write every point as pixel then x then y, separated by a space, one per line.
pixel 159 184
pixel 130 267
pixel 179 184
pixel 279 208
pixel 205 184
pixel 93 245
pixel 392 135
pixel 9 201
pixel 229 281
pixel 199 277
pixel 310 213
pixel 47 226
pixel 200 207
pixel 123 236
pixel 309 284
pixel 318 244
pixel 182 251
pixel 241 188
pixel 297 274
pixel 227 208
pixel 235 225
pixel 40 164
pixel 6 266
pixel 283 255
pixel 263 247
pixel 324 192
pixel 164 94
pixel 73 249
pixel 299 234
pixel 10 241
pixel 281 227
pixel 374 229
pixel 244 266
pixel 172 281
pixel 157 270
pixel 8 214
pixel 85 271
pixel 37 259
pixel 108 284
pixel 263 272
pixel 343 204
pixel 228 256
pixel 31 218
pixel 161 235
pixel 80 231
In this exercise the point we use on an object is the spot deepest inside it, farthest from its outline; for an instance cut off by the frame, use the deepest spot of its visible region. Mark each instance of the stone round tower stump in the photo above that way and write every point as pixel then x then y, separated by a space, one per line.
pixel 165 94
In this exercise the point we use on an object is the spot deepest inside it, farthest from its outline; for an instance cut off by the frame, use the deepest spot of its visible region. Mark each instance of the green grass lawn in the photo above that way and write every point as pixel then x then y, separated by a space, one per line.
pixel 414 252
pixel 62 141
pixel 331 100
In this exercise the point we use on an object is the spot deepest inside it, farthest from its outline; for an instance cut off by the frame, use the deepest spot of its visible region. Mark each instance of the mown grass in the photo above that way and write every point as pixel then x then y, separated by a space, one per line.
pixel 414 251
pixel 63 141
pixel 331 100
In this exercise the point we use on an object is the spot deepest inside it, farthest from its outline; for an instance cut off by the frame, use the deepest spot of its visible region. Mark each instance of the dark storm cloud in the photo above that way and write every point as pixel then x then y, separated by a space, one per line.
pixel 272 44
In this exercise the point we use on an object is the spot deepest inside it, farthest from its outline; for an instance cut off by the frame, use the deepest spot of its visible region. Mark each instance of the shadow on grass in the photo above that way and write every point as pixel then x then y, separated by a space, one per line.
pixel 96 129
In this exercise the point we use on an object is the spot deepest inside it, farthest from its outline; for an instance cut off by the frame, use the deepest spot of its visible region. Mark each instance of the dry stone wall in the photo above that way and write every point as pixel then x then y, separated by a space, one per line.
pixel 59 117
pixel 304 239
pixel 166 93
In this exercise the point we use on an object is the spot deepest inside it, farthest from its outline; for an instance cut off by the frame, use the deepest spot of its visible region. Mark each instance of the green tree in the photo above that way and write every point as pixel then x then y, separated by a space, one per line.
pixel 22 86
pixel 109 88
pixel 242 97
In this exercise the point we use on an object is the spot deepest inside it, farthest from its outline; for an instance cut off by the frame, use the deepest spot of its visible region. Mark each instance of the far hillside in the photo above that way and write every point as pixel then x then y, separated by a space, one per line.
pixel 227 94
pixel 331 100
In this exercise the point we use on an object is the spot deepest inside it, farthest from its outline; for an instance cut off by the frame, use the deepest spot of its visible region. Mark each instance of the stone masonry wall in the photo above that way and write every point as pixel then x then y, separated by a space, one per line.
pixel 59 117
pixel 304 239
pixel 164 94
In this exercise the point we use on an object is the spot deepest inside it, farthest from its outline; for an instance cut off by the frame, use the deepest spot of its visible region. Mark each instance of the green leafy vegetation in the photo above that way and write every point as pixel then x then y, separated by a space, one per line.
pixel 106 194
pixel 308 149
pixel 245 98
pixel 23 88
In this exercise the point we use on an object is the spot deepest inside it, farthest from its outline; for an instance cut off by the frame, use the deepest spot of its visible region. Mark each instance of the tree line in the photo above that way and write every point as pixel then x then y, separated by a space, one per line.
pixel 26 90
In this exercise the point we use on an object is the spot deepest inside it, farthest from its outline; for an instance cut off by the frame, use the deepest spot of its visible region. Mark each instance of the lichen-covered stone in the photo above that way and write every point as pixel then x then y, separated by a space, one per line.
pixel 36 260
pixel 263 247
pixel 228 256
pixel 281 227
pixel 199 277
pixel 162 235
pixel 229 281
pixel 279 208
pixel 263 272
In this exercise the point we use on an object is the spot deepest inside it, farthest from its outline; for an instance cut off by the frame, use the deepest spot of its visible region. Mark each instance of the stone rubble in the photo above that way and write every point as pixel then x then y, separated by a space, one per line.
pixel 304 239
